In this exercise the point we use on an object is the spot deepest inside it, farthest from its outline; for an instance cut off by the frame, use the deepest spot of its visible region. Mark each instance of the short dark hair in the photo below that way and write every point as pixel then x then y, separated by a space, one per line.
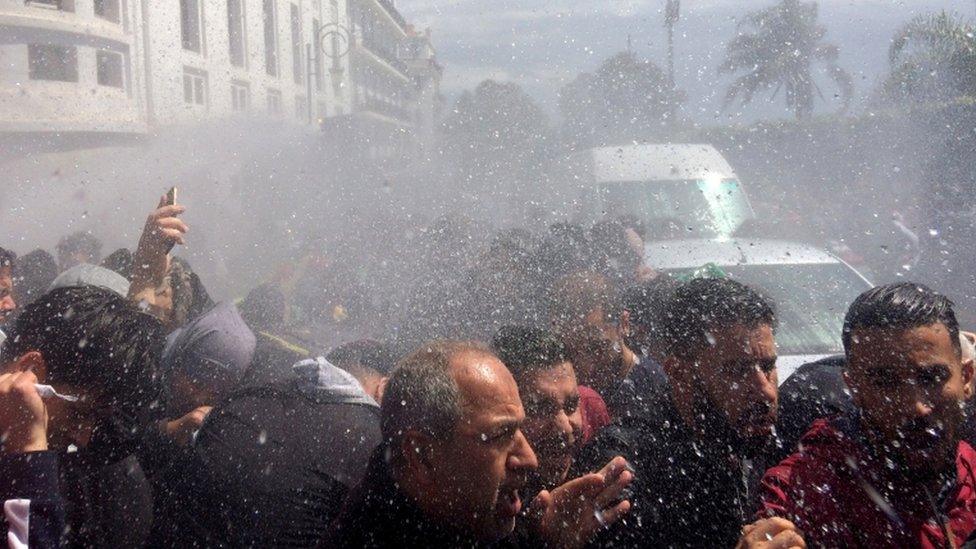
pixel 363 356
pixel 7 258
pixel 81 241
pixel 703 305
pixel 422 394
pixel 95 339
pixel 647 304
pixel 576 295
pixel 525 350
pixel 900 306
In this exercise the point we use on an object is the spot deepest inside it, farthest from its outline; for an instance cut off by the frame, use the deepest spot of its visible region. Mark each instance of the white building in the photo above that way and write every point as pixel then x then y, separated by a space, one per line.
pixel 124 67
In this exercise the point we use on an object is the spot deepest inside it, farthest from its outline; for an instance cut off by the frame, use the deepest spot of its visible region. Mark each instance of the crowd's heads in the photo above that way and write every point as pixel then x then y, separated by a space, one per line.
pixel 7 303
pixel 721 347
pixel 369 361
pixel 79 247
pixel 35 273
pixel 585 311
pixel 207 358
pixel 906 373
pixel 92 343
pixel 452 419
pixel 616 250
pixel 647 302
pixel 550 395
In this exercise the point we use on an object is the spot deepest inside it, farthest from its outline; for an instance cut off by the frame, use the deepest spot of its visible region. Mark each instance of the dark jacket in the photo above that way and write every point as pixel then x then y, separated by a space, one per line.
pixel 816 390
pixel 379 515
pixel 271 465
pixel 33 512
pixel 820 491
pixel 685 493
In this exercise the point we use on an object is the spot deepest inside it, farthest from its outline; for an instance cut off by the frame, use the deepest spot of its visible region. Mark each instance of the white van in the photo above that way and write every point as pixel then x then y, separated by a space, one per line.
pixel 690 186
pixel 811 288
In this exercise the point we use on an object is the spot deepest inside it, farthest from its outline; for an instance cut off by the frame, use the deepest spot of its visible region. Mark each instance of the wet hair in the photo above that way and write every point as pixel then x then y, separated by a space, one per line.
pixel 422 394
pixel 7 258
pixel 575 296
pixel 119 261
pixel 525 350
pixel 83 242
pixel 363 357
pixel 264 307
pixel 35 273
pixel 647 304
pixel 95 339
pixel 705 305
pixel 900 306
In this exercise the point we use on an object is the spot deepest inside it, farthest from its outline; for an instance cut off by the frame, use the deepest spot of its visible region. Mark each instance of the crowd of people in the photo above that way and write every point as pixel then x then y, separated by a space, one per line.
pixel 547 392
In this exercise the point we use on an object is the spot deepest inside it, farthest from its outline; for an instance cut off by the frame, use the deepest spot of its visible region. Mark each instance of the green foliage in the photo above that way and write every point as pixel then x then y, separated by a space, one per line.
pixel 933 59
pixel 779 48
pixel 626 99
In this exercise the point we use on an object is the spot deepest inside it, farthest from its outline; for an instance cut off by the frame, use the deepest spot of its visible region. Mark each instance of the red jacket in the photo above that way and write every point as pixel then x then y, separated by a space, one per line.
pixel 822 489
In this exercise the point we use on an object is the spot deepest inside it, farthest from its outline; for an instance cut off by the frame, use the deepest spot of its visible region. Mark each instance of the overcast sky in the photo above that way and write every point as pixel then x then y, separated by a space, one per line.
pixel 542 44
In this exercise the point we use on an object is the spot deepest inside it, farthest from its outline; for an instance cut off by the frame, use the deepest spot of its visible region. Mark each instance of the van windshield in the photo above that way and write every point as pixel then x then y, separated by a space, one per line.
pixel 673 209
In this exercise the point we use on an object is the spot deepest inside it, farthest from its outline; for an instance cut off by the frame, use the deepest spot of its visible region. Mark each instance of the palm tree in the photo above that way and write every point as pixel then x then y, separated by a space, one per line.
pixel 933 58
pixel 780 53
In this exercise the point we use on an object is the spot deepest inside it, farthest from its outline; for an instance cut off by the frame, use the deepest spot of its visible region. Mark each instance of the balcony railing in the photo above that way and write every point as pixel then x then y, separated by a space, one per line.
pixel 386 109
pixel 383 53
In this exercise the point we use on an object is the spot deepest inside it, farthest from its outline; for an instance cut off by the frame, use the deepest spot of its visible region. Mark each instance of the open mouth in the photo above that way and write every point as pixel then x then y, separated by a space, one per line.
pixel 512 502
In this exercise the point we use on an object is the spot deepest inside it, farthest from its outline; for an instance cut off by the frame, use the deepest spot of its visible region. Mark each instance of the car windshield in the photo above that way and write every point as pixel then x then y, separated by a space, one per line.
pixel 707 208
pixel 811 300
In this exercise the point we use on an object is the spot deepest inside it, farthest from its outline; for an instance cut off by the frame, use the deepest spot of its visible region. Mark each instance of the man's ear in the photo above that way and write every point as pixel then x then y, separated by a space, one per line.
pixel 380 389
pixel 968 370
pixel 31 360
pixel 418 455
pixel 624 324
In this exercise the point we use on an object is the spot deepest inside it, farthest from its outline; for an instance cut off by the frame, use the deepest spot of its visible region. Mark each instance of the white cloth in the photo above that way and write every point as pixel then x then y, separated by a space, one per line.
pixel 17 514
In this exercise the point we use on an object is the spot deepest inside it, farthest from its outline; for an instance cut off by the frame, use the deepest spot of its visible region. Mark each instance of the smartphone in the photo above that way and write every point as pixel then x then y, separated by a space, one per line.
pixel 171 196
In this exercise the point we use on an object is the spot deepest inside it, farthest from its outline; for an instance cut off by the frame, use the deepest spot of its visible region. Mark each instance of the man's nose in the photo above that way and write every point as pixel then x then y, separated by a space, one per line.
pixel 764 386
pixel 522 457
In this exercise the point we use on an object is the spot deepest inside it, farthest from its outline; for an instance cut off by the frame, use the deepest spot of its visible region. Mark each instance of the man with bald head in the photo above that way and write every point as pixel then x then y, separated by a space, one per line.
pixel 453 460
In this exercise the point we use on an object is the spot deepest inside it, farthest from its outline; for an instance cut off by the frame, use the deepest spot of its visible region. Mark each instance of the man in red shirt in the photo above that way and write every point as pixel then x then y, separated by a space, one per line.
pixel 893 472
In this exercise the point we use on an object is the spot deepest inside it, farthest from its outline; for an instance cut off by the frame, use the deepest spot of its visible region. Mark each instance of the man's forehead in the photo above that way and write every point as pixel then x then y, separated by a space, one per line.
pixel 559 375
pixel 484 382
pixel 739 338
pixel 907 345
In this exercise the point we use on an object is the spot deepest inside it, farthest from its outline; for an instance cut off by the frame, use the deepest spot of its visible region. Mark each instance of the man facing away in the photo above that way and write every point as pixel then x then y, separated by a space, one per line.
pixel 893 471
pixel 695 457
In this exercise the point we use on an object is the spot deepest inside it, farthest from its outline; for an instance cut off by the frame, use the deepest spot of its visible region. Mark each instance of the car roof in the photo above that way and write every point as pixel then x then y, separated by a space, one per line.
pixel 658 162
pixel 693 253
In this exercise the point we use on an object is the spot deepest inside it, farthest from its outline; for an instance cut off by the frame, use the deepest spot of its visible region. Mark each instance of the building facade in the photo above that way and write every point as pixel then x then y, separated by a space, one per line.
pixel 128 66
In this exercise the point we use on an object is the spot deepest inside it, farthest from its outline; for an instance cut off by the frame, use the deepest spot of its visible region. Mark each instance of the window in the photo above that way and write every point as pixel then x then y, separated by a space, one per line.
pixel 319 81
pixel 50 62
pixel 111 70
pixel 110 10
pixel 194 86
pixel 296 45
pixel 274 101
pixel 190 19
pixel 63 5
pixel 270 39
pixel 240 95
pixel 235 29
